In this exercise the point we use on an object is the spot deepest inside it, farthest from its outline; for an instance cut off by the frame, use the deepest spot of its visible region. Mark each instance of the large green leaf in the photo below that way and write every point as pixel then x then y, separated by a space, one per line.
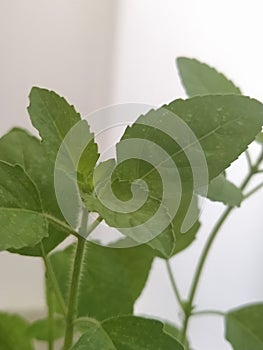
pixel 127 333
pixel 111 278
pixel 200 79
pixel 222 190
pixel 223 125
pixel 19 147
pixel 23 222
pixel 13 333
pixel 244 327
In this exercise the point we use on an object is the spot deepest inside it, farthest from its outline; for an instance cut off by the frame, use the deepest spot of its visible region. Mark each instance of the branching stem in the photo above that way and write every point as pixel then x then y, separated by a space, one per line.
pixel 210 241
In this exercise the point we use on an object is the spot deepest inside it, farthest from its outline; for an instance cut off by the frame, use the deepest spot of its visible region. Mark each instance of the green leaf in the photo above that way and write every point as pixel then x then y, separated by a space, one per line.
pixel 52 116
pixel 111 278
pixel 58 123
pixel 127 333
pixel 13 333
pixel 200 79
pixel 223 125
pixel 222 190
pixel 244 327
pixel 19 147
pixel 40 329
pixel 259 138
pixel 21 215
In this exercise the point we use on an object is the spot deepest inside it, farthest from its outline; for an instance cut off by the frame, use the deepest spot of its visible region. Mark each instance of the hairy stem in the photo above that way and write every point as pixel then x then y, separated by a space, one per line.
pixel 72 304
pixel 74 287
pixel 210 241
pixel 53 281
pixel 50 315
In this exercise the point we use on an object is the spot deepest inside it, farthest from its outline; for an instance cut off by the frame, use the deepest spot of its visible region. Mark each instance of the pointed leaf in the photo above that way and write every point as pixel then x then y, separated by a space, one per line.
pixel 222 190
pixel 13 333
pixel 244 327
pixel 54 117
pixel 21 215
pixel 200 79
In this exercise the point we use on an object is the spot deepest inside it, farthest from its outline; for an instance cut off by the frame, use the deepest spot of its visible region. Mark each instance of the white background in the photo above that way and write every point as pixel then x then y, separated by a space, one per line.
pixel 97 53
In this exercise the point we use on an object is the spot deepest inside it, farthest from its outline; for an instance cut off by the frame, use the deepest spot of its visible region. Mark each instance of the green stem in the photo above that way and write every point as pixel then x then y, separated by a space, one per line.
pixel 199 270
pixel 73 295
pixel 248 159
pixel 254 190
pixel 208 312
pixel 72 306
pixel 53 280
pixel 211 239
pixel 50 315
pixel 61 225
pixel 174 284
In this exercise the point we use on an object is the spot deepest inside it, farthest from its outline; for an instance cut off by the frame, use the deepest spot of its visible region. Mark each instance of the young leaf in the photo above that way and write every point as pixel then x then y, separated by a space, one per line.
pixel 200 79
pixel 244 327
pixel 52 116
pixel 13 333
pixel 23 222
pixel 259 138
pixel 55 118
pixel 128 332
pixel 40 329
pixel 19 147
pixel 111 279
pixel 222 190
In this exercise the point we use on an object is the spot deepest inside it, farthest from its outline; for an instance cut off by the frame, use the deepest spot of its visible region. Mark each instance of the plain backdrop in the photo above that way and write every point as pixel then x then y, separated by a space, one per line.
pixel 97 53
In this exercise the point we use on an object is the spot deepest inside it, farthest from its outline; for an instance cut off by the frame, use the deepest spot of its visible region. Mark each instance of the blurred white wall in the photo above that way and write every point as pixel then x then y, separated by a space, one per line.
pixel 63 45
pixel 99 53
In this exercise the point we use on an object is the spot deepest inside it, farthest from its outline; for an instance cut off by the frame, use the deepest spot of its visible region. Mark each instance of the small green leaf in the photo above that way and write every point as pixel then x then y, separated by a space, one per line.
pixel 40 329
pixel 111 279
pixel 127 333
pixel 222 190
pixel 200 79
pixel 21 215
pixel 54 118
pixel 259 138
pixel 13 333
pixel 19 147
pixel 244 327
